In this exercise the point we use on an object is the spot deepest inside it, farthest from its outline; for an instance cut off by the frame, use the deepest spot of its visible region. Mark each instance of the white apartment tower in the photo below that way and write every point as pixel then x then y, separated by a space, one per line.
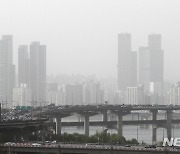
pixel 174 94
pixel 38 73
pixel 135 95
pixel 7 71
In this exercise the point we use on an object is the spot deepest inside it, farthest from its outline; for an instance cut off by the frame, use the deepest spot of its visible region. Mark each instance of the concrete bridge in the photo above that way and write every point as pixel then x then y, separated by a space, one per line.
pixel 159 123
pixel 22 124
pixel 19 129
pixel 56 113
pixel 87 111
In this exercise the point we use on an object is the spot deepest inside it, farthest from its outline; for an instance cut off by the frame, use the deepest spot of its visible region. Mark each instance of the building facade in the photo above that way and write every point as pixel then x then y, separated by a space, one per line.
pixel 135 95
pixel 144 67
pixel 127 62
pixel 156 58
pixel 74 94
pixel 22 96
pixel 7 71
pixel 92 94
pixel 174 94
pixel 23 65
pixel 38 73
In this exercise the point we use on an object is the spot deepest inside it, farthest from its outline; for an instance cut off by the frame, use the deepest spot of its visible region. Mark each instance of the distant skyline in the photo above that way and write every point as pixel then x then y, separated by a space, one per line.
pixel 82 35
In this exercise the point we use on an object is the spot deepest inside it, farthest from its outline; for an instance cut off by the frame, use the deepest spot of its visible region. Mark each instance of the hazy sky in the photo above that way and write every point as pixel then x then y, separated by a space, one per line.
pixel 81 35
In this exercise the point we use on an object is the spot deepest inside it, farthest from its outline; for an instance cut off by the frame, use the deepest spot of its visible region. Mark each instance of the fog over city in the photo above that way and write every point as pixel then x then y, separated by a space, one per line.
pixel 82 36
pixel 89 76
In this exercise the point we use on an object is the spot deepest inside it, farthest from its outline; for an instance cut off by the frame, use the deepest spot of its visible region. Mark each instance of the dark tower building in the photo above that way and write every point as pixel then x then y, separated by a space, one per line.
pixel 156 58
pixel 23 65
pixel 127 62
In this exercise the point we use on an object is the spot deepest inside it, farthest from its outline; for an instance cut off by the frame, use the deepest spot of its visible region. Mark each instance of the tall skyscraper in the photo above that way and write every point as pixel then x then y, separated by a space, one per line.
pixel 7 70
pixel 154 41
pixel 38 73
pixel 127 62
pixel 133 68
pixel 151 61
pixel 23 65
pixel 144 66
pixel 156 58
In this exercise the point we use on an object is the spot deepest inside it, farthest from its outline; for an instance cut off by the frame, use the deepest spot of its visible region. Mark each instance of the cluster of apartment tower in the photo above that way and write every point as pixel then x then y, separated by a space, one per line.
pixel 140 74
pixel 31 87
pixel 84 93
pixel 31 73
pixel 140 78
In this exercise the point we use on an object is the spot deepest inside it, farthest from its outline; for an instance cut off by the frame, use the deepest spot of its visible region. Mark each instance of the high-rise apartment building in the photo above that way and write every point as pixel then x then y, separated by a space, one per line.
pixel 156 93
pixel 23 65
pixel 151 62
pixel 174 94
pixel 7 70
pixel 156 58
pixel 135 95
pixel 154 42
pixel 54 94
pixel 120 98
pixel 22 96
pixel 38 73
pixel 92 94
pixel 144 67
pixel 127 62
pixel 74 94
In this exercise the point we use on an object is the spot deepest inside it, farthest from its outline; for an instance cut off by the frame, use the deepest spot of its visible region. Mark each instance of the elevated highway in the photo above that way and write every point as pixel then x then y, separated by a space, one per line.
pixel 59 112
pixel 22 124
pixel 160 123
pixel 56 113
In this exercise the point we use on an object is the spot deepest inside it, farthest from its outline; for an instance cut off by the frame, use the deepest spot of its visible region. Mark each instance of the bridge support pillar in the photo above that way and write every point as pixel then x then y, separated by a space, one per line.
pixel 58 125
pixel 86 124
pixel 169 123
pixel 154 127
pixel 86 115
pixel 120 125
pixel 154 135
pixel 105 117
